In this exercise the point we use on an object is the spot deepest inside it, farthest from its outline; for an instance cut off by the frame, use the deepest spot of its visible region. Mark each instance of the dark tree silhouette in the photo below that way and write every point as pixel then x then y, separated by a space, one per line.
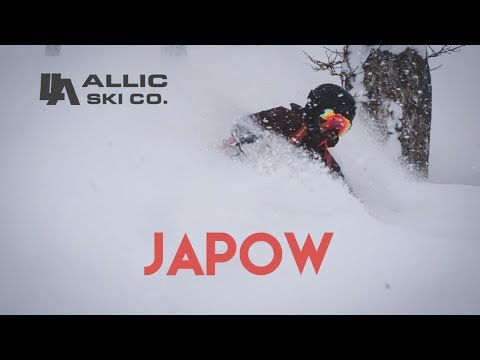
pixel 394 90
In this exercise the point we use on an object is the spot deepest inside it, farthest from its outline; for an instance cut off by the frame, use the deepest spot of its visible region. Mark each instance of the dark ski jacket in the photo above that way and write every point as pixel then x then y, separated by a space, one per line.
pixel 294 126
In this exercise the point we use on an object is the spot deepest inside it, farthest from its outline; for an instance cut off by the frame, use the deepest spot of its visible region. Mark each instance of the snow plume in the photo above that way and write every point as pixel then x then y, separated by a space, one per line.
pixel 84 188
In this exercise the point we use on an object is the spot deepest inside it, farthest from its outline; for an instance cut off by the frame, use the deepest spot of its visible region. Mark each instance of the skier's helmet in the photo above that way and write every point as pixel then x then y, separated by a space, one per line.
pixel 330 97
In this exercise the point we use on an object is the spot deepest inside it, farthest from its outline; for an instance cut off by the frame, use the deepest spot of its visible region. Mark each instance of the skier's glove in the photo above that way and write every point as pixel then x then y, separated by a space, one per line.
pixel 332 142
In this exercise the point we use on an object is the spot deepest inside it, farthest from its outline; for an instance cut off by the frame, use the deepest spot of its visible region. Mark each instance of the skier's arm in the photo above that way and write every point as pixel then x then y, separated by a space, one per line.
pixel 280 120
pixel 335 168
pixel 329 161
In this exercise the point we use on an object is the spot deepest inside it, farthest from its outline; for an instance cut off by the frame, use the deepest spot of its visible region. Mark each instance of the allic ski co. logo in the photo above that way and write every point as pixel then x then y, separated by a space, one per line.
pixel 53 88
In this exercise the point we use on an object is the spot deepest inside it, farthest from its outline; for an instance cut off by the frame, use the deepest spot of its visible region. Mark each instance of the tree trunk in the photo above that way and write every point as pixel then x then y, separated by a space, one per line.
pixel 398 94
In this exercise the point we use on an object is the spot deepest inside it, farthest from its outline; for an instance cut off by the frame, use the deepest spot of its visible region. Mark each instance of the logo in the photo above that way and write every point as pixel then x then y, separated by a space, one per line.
pixel 52 86
pixel 53 89
pixel 186 258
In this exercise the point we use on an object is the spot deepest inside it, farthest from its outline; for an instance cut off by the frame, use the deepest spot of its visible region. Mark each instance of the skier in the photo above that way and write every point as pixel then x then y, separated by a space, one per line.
pixel 316 127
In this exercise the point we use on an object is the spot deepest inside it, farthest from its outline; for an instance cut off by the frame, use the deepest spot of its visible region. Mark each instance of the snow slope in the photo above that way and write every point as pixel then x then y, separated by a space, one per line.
pixel 84 188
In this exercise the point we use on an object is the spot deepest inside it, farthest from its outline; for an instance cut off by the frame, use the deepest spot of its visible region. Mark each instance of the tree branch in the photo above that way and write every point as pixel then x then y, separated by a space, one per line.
pixel 334 64
pixel 445 49
pixel 338 64
pixel 435 68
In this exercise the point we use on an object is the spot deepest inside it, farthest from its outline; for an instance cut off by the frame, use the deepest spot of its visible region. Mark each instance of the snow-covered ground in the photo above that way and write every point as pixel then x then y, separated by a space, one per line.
pixel 84 188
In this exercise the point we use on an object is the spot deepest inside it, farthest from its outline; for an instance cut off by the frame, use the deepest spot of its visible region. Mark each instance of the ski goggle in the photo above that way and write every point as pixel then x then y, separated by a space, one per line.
pixel 335 121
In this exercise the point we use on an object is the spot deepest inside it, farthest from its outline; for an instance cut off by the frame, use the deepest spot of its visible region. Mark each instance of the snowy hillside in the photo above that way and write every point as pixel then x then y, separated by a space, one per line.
pixel 84 188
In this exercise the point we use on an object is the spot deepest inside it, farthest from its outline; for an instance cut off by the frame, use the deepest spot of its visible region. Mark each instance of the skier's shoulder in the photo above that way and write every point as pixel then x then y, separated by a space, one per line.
pixel 281 111
pixel 296 108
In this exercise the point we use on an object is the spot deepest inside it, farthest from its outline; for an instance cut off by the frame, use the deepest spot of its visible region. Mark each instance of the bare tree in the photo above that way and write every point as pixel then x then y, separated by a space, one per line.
pixel 394 89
